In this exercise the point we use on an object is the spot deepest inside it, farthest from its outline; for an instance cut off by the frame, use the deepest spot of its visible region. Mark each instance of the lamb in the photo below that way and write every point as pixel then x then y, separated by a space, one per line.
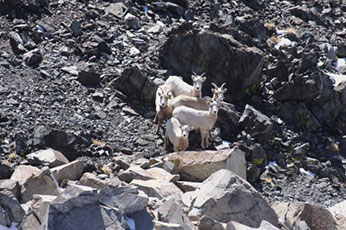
pixel 177 134
pixel 199 119
pixel 163 105
pixel 218 91
pixel 179 87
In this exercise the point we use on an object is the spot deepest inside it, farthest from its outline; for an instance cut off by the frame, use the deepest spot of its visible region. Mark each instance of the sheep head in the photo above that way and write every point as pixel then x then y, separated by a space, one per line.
pixel 198 81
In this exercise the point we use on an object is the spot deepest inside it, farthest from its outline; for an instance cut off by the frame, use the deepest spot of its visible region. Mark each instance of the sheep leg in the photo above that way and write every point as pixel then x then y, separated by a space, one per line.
pixel 158 126
pixel 166 141
pixel 155 119
pixel 202 138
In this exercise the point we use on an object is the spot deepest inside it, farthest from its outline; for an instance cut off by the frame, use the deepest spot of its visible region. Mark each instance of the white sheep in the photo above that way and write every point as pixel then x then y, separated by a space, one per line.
pixel 179 87
pixel 218 91
pixel 163 105
pixel 199 119
pixel 177 134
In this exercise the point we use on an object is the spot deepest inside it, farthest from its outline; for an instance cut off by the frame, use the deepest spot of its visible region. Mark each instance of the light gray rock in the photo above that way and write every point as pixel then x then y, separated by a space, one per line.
pixel 316 217
pixel 22 172
pixel 172 212
pixel 89 179
pixel 134 172
pixel 70 171
pixel 49 157
pixel 10 185
pixel 199 165
pixel 159 225
pixel 161 174
pixel 77 208
pixel 42 183
pixel 225 197
pixel 339 213
pixel 126 199
pixel 10 202
pixel 206 223
pixel 117 9
pixel 158 188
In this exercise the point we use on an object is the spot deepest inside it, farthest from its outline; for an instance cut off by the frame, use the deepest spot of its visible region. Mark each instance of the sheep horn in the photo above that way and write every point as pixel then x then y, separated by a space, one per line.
pixel 194 73
pixel 223 84
pixel 213 84
pixel 202 74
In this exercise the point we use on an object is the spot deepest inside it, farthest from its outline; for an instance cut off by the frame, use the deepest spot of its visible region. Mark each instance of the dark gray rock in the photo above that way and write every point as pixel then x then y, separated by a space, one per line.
pixel 77 208
pixel 172 212
pixel 143 220
pixel 10 202
pixel 206 223
pixel 5 171
pixel 90 78
pixel 220 56
pixel 4 217
pixel 125 199
pixel 33 57
pixel 341 50
pixel 256 124
pixel 76 28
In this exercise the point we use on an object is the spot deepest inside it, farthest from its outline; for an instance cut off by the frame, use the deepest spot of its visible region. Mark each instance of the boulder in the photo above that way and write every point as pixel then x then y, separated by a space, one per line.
pixel 5 171
pixel 89 77
pixel 134 172
pixel 199 165
pixel 9 202
pixel 158 188
pixel 11 186
pixel 89 179
pixel 316 217
pixel 70 171
pixel 126 199
pixel 339 213
pixel 256 124
pixel 220 56
pixel 206 223
pixel 49 157
pixel 23 172
pixel 172 212
pixel 161 174
pixel 4 218
pixel 41 183
pixel 77 208
pixel 225 197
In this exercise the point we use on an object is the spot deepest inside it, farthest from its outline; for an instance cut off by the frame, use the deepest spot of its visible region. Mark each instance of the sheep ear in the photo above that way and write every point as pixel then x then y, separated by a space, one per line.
pixel 193 77
pixel 213 90
pixel 204 78
pixel 189 128
pixel 224 90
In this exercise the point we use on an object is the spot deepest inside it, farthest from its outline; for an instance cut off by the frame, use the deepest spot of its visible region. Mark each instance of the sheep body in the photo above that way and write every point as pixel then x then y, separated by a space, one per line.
pixel 198 119
pixel 163 105
pixel 179 87
pixel 177 134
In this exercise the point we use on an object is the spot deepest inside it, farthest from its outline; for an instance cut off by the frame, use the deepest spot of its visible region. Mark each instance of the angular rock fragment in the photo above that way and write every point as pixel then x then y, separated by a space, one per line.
pixel 70 171
pixel 49 157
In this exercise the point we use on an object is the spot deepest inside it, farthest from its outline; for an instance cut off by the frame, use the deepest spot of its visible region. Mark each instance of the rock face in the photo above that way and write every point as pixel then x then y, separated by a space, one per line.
pixel 220 56
pixel 226 197
pixel 317 218
pixel 197 166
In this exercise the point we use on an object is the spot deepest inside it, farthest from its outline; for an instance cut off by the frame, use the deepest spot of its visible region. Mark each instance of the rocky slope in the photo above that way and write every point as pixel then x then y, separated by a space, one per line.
pixel 80 77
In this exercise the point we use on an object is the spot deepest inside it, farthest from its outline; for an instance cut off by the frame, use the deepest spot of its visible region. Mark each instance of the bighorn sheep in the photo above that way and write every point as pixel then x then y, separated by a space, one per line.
pixel 179 87
pixel 199 119
pixel 163 105
pixel 218 91
pixel 177 134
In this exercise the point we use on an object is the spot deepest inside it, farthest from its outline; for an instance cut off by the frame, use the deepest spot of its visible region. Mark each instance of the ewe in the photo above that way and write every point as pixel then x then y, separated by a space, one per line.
pixel 163 105
pixel 199 119
pixel 179 87
pixel 177 134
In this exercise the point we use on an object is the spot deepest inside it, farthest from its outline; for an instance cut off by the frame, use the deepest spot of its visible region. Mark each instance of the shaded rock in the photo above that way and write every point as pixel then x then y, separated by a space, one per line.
pixel 158 188
pixel 77 208
pixel 10 202
pixel 30 222
pixel 41 183
pixel 71 171
pixel 172 212
pixel 132 21
pixel 256 124
pixel 5 171
pixel 161 174
pixel 133 82
pixel 33 57
pixel 4 218
pixel 11 186
pixel 237 226
pixel 142 219
pixel 49 157
pixel 40 205
pixel 220 56
pixel 339 214
pixel 134 172
pixel 125 199
pixel 199 165
pixel 89 179
pixel 76 28
pixel 206 223
pixel 23 172
pixel 298 113
pixel 219 196
pixel 187 186
pixel 316 217
pixel 16 43
pixel 90 78
pixel 159 225
pixel 341 50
